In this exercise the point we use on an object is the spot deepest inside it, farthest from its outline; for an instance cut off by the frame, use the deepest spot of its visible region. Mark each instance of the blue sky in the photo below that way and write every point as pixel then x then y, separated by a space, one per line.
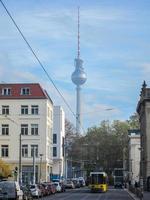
pixel 115 47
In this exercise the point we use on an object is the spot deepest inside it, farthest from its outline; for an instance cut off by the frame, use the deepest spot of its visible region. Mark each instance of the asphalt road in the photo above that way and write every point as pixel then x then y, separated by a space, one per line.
pixel 85 194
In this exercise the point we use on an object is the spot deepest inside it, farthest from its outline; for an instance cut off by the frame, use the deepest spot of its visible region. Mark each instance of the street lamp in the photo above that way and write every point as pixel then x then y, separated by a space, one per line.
pixel 40 166
pixel 20 161
pixel 73 168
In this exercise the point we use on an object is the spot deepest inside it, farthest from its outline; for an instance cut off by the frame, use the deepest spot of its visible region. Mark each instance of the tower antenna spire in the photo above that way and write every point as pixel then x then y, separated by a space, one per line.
pixel 78 78
pixel 78 32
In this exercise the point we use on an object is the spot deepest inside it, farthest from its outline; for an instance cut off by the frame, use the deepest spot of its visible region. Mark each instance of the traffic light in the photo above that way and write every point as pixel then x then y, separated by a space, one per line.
pixel 16 171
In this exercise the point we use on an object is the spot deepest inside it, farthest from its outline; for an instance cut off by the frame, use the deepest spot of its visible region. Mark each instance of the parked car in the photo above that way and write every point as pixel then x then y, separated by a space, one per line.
pixel 27 195
pixel 63 187
pixel 76 182
pixel 58 186
pixel 69 184
pixel 46 188
pixel 43 190
pixel 52 188
pixel 118 185
pixel 56 180
pixel 82 181
pixel 35 190
pixel 10 190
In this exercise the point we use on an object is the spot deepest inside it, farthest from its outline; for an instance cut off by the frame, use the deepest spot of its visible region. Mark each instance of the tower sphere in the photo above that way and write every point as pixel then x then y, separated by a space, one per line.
pixel 78 76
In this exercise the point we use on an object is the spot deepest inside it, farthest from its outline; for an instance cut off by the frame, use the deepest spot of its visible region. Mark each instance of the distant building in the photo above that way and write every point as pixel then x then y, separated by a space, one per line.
pixel 134 155
pixel 26 110
pixel 143 109
pixel 58 143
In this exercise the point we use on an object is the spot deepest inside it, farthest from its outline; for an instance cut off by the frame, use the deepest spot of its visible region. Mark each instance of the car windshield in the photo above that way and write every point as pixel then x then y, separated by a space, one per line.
pixel 7 186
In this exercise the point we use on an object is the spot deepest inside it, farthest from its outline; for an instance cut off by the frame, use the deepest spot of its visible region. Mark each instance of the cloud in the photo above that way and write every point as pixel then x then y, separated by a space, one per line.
pixel 113 46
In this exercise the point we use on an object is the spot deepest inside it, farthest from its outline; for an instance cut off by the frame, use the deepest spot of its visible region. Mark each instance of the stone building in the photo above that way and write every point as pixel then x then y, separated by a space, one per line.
pixel 143 109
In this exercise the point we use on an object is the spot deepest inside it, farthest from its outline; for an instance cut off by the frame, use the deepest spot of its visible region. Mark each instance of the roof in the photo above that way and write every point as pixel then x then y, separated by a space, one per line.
pixel 35 91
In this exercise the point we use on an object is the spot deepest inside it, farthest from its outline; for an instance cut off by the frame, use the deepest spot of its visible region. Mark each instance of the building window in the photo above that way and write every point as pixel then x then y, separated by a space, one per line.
pixel 54 151
pixel 34 129
pixel 25 91
pixel 51 114
pixel 5 129
pixel 34 148
pixel 24 110
pixel 6 91
pixel 54 138
pixel 4 150
pixel 48 111
pixel 24 150
pixel 24 129
pixel 5 110
pixel 34 110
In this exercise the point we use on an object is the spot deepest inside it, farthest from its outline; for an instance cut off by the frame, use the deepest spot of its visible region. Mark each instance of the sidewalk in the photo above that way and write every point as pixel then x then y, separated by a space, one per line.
pixel 133 196
pixel 146 195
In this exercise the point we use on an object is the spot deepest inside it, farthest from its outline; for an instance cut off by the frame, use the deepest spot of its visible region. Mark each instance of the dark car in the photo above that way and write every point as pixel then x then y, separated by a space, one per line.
pixel 27 195
pixel 52 188
pixel 76 182
pixel 42 189
pixel 118 185
pixel 46 188
pixel 10 190
pixel 63 187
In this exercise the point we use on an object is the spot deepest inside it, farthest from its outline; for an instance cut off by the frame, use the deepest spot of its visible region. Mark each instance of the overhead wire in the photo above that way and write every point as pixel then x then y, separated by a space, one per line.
pixel 40 63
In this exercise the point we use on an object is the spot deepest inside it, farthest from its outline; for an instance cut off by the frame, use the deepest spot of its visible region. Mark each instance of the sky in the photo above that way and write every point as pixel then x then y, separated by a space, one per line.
pixel 114 43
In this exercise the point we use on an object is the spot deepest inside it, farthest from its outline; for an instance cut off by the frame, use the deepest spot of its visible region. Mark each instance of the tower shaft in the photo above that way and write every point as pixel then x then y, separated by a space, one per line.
pixel 78 109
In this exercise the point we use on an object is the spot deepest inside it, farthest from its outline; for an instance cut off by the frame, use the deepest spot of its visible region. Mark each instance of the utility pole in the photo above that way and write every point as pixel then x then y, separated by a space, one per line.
pixel 20 161
pixel 41 166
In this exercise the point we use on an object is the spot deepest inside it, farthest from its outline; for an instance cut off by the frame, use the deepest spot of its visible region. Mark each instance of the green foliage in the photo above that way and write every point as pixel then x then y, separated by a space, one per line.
pixel 5 171
pixel 103 146
pixel 134 121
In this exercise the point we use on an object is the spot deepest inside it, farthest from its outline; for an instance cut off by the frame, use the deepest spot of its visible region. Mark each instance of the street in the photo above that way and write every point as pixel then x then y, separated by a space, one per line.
pixel 85 194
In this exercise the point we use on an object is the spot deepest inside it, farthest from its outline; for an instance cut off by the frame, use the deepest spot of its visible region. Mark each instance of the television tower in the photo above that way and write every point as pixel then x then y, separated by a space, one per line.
pixel 78 78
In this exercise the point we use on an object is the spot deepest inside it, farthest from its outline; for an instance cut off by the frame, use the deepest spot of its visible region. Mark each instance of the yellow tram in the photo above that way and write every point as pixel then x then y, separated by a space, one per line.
pixel 98 182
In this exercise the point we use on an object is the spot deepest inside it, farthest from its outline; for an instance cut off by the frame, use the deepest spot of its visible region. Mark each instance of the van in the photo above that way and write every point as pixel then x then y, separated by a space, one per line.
pixel 10 190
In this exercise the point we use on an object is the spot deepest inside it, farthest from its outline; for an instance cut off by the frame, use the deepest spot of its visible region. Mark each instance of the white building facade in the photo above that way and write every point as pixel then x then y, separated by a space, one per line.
pixel 134 156
pixel 58 143
pixel 26 112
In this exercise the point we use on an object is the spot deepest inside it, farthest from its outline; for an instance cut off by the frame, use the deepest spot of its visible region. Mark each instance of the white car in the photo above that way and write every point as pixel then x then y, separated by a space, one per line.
pixel 58 186
pixel 82 181
pixel 35 191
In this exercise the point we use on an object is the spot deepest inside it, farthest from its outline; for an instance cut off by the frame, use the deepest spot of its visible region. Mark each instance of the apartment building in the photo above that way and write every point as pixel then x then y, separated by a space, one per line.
pixel 26 124
pixel 58 143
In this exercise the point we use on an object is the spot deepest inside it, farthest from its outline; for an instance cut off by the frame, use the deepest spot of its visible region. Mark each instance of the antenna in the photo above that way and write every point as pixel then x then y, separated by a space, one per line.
pixel 78 32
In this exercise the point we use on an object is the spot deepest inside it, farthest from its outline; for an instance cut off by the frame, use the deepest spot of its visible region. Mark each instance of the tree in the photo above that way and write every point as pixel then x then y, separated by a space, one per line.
pixel 5 170
pixel 103 146
pixel 134 121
